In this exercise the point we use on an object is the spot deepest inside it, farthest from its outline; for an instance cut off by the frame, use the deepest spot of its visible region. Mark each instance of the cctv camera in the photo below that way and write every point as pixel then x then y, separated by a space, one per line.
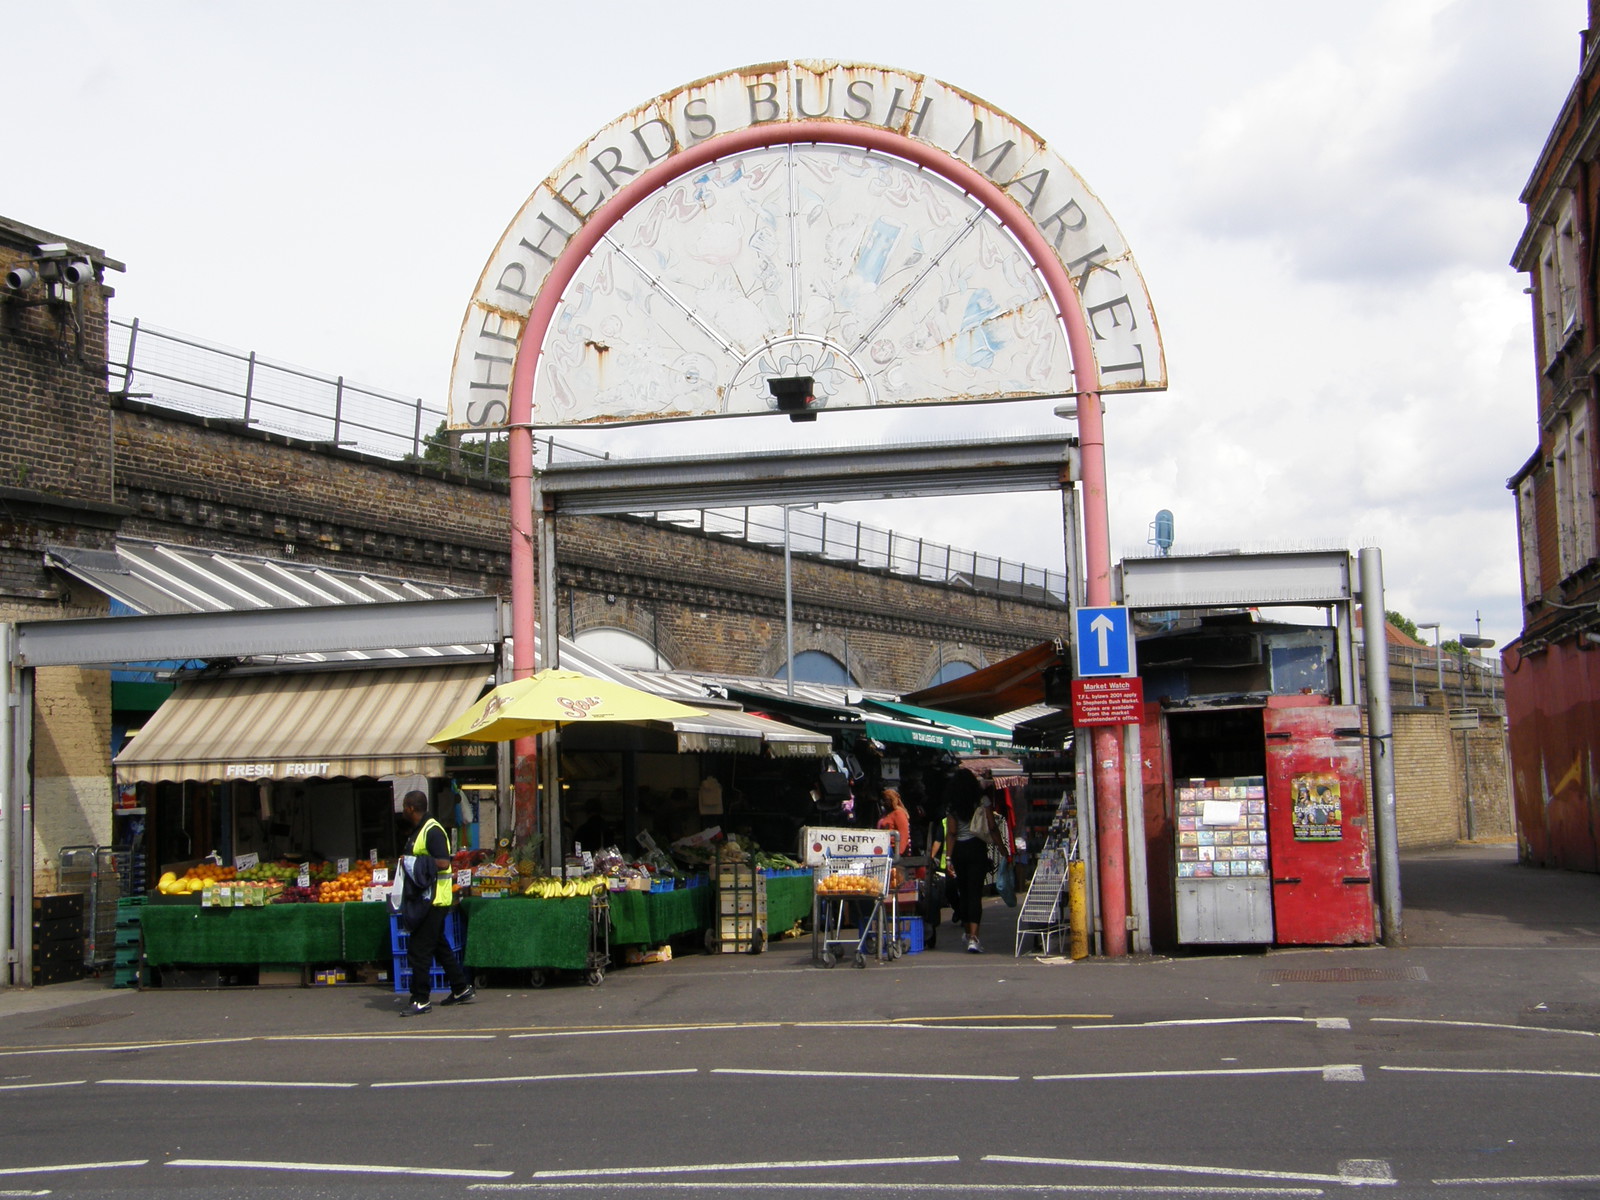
pixel 78 271
pixel 21 278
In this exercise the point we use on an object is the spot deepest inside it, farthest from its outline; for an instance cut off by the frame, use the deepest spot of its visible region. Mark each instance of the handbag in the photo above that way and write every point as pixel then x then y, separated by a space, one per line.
pixel 979 825
pixel 1005 883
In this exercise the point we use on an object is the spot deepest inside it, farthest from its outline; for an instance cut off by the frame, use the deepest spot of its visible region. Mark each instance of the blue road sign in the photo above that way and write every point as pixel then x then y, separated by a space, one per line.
pixel 1104 642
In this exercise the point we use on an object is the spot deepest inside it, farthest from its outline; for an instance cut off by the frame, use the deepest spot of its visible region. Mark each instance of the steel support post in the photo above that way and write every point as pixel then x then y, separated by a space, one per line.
pixel 1380 732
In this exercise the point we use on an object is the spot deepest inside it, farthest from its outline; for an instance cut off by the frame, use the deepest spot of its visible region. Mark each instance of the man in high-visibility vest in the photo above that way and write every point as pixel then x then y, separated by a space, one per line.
pixel 427 870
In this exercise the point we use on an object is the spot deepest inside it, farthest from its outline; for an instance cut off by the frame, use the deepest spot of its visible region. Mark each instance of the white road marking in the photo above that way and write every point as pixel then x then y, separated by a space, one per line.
pixel 536 1078
pixel 341 1168
pixel 879 1188
pixel 865 1075
pixel 1466 1182
pixel 378 1037
pixel 646 1029
pixel 1333 1071
pixel 1333 1022
pixel 1243 1172
pixel 121 1047
pixel 1205 1021
pixel 913 1025
pixel 799 1164
pixel 229 1083
pixel 897 1024
pixel 1366 1168
pixel 22 1087
pixel 1484 1025
pixel 93 1166
pixel 1492 1071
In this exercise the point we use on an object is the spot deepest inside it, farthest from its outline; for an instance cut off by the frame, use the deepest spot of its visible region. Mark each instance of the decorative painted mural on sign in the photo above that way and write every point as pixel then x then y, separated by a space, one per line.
pixel 879 279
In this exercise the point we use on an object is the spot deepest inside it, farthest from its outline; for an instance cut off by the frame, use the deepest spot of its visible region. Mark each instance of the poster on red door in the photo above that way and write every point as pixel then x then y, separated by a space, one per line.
pixel 1315 814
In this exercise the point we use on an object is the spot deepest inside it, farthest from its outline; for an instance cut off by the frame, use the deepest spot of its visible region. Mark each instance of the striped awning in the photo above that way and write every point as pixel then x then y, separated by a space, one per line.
pixel 729 731
pixel 309 725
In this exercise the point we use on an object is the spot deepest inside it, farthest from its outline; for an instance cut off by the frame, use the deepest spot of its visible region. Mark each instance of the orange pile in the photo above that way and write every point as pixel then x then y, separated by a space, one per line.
pixel 210 873
pixel 347 888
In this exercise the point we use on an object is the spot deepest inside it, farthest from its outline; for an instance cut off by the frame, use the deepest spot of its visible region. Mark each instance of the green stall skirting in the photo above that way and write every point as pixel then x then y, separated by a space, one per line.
pixel 652 918
pixel 788 901
pixel 274 933
pixel 546 933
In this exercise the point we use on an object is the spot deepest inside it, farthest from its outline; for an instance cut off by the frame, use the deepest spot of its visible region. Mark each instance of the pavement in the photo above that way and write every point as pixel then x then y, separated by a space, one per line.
pixel 1486 938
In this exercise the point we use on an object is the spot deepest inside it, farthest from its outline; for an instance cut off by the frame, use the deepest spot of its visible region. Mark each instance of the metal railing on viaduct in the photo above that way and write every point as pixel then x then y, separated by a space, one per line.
pixel 205 379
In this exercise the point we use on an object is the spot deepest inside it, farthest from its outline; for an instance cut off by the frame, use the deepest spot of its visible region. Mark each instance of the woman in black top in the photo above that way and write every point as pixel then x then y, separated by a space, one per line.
pixel 969 854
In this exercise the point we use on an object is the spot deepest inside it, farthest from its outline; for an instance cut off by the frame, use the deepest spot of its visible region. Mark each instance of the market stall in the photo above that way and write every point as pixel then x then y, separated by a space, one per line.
pixel 183 933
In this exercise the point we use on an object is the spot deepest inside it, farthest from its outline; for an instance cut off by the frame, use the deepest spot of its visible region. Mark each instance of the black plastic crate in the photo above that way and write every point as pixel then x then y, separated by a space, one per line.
pixel 58 906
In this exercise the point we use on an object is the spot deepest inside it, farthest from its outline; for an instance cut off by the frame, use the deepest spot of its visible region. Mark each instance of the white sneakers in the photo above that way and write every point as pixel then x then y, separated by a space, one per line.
pixel 973 946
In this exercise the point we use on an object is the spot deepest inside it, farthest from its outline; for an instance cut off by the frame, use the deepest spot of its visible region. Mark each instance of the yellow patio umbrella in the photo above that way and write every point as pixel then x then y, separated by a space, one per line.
pixel 542 702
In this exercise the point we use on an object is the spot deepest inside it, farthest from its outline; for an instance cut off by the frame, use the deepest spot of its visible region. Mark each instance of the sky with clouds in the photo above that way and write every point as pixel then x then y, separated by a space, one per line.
pixel 1322 200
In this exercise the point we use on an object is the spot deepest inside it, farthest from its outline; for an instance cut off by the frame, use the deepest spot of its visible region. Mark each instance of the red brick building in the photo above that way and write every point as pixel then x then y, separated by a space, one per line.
pixel 1552 671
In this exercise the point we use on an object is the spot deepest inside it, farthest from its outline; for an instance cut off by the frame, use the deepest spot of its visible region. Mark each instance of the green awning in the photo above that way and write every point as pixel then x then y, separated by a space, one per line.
pixel 915 733
pixel 985 735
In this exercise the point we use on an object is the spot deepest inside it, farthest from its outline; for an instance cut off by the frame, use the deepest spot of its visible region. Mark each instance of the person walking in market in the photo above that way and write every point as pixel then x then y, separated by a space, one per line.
pixel 426 897
pixel 968 835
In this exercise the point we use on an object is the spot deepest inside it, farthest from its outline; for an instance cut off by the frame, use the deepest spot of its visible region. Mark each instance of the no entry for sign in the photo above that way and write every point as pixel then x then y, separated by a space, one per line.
pixel 1107 701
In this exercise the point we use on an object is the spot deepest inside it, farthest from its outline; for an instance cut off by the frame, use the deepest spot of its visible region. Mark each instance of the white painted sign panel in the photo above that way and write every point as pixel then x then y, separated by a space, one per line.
pixel 821 842
pixel 883 281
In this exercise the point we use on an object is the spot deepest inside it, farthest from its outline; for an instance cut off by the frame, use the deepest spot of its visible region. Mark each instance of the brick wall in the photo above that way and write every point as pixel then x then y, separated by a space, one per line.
pixel 1431 780
pixel 52 398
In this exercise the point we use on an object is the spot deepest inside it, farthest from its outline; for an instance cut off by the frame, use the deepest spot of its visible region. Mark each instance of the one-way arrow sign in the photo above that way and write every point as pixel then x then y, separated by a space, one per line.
pixel 1104 642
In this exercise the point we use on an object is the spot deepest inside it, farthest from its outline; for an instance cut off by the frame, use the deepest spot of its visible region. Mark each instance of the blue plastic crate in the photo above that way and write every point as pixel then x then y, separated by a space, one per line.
pixel 909 930
pixel 402 978
pixel 400 940
pixel 663 885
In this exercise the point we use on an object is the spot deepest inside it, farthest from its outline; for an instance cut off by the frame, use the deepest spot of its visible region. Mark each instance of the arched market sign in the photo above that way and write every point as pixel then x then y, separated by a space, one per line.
pixel 886 234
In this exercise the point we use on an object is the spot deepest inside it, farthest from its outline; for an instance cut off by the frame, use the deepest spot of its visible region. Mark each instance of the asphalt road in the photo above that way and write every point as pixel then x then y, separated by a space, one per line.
pixel 1467 1063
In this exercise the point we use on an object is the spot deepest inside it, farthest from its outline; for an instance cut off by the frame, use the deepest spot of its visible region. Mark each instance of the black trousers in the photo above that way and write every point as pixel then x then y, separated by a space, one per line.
pixel 971 861
pixel 426 945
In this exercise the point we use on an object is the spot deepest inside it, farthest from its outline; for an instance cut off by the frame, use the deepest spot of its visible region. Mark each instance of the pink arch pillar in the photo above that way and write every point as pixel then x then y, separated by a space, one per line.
pixel 1086 374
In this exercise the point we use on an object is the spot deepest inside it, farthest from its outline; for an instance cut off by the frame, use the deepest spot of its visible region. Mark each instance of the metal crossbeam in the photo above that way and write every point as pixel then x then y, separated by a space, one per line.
pixel 803 477
pixel 105 641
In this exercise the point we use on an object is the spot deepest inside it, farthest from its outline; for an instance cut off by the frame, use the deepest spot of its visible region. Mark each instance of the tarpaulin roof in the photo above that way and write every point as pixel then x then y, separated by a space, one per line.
pixel 1011 683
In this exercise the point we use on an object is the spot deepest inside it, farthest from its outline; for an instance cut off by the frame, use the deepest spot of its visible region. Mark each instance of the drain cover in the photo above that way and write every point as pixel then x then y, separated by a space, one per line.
pixel 1345 975
pixel 82 1020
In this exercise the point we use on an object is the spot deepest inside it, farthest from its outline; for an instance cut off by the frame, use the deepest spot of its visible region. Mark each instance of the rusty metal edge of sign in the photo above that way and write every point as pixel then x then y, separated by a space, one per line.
pixel 1045 187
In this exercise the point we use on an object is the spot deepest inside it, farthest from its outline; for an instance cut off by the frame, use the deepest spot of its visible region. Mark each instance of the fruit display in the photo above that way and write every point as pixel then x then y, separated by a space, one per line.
pixel 848 885
pixel 548 888
pixel 271 883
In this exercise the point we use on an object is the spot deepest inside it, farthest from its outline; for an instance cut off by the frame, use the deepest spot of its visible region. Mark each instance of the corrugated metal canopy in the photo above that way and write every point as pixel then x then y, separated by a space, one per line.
pixel 157 578
pixel 314 724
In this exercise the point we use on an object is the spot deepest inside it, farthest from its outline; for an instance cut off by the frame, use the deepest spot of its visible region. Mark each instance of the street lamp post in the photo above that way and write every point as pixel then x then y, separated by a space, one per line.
pixel 1438 654
pixel 1468 641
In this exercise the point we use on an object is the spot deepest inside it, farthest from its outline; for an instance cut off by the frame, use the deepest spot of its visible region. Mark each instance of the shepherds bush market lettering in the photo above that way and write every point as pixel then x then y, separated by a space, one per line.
pixel 1051 194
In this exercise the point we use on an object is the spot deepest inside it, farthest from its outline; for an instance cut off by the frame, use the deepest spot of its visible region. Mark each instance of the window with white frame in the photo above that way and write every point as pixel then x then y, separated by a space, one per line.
pixel 1528 536
pixel 1572 464
pixel 1558 283
pixel 1567 270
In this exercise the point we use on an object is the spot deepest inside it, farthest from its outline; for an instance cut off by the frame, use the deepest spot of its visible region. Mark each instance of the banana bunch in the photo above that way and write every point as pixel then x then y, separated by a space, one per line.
pixel 549 889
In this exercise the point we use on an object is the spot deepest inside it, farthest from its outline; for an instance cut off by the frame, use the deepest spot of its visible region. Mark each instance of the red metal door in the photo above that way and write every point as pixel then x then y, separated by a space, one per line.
pixel 1318 832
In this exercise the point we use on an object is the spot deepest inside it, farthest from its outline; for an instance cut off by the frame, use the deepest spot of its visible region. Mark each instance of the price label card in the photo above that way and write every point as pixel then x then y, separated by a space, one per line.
pixel 372 856
pixel 304 879
pixel 381 875
pixel 464 877
pixel 246 862
pixel 342 866
pixel 374 895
